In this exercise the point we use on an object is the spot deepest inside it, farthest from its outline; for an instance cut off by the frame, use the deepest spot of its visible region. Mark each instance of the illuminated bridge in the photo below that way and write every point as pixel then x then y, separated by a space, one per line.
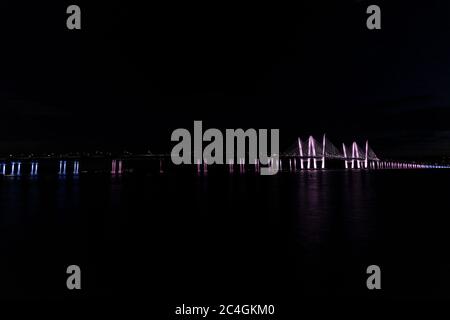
pixel 305 154
pixel 311 153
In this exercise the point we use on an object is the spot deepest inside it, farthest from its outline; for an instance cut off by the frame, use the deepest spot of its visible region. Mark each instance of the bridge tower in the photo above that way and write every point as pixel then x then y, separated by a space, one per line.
pixel 323 152
pixel 355 155
pixel 345 155
pixel 367 155
pixel 300 149
pixel 311 151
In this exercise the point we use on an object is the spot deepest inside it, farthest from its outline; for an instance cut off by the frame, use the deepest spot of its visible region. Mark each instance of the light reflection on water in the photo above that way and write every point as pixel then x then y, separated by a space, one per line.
pixel 312 230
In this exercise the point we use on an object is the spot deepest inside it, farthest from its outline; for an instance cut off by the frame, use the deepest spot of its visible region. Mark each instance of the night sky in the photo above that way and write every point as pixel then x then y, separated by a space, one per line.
pixel 133 74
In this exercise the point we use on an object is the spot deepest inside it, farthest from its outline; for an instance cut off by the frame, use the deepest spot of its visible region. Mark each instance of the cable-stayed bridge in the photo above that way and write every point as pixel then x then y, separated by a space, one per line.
pixel 312 153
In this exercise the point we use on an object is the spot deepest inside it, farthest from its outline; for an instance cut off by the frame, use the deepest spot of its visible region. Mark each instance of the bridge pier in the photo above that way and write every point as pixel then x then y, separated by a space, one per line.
pixel 205 167
pixel 198 167
pixel 120 167
pixel 116 167
pixel 231 166
pixel 314 163
pixel 76 166
pixel 62 167
pixel 34 169
pixel 113 167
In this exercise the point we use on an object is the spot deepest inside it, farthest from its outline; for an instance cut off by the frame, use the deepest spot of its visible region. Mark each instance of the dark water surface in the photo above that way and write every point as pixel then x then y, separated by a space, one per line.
pixel 227 239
